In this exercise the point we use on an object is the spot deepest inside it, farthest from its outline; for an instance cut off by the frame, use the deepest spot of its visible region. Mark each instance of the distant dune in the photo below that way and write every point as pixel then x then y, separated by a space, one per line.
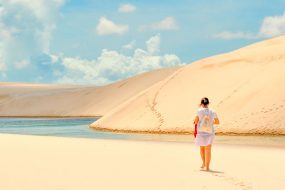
pixel 22 99
pixel 246 87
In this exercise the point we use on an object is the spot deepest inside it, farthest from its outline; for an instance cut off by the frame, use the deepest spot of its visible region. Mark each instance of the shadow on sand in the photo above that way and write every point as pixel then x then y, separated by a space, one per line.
pixel 212 171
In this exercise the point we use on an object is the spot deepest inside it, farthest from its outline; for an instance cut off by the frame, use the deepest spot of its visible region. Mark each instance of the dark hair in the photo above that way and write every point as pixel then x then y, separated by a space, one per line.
pixel 205 101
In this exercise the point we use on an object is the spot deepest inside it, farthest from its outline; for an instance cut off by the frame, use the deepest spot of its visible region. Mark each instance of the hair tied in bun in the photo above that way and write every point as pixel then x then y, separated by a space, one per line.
pixel 205 101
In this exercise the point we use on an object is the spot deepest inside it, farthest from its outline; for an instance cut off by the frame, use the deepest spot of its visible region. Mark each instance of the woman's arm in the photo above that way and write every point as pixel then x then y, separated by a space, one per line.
pixel 216 121
pixel 196 120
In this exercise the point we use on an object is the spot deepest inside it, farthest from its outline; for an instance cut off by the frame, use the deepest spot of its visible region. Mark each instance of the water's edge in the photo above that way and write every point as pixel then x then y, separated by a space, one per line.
pixel 79 127
pixel 59 117
pixel 175 132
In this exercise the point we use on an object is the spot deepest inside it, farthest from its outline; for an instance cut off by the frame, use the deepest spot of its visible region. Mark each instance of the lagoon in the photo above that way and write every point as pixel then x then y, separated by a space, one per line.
pixel 79 128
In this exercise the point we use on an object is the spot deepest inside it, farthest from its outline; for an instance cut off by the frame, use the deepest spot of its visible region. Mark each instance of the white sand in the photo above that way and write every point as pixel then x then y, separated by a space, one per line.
pixel 246 88
pixel 53 163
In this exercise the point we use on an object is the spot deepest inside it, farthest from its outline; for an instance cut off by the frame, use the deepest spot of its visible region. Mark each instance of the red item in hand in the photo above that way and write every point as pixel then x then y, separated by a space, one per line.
pixel 195 131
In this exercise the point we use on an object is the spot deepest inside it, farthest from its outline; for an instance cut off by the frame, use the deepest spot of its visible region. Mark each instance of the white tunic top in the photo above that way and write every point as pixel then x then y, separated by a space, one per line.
pixel 205 127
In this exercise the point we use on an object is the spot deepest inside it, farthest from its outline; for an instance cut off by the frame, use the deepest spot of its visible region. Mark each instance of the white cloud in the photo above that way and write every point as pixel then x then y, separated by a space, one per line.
pixel 171 59
pixel 168 23
pixel 271 26
pixel 59 2
pixel 228 35
pixel 54 58
pixel 23 41
pixel 153 44
pixel 41 13
pixel 2 65
pixel 40 8
pixel 111 66
pixel 130 45
pixel 2 61
pixel 107 27
pixel 127 8
pixel 6 32
pixel 22 64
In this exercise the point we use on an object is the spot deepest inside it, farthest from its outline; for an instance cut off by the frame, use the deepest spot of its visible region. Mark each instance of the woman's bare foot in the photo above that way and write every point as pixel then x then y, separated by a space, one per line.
pixel 207 169
pixel 203 166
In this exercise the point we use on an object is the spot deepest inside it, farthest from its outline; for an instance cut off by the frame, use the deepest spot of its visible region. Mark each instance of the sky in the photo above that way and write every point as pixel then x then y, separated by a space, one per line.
pixel 102 41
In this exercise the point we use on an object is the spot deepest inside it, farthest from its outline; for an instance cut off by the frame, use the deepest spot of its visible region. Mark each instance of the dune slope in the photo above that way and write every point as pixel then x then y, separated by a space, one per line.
pixel 17 99
pixel 246 87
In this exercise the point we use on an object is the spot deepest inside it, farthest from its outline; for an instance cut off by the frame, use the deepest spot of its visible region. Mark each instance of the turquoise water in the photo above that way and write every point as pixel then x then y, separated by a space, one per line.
pixel 64 127
pixel 78 127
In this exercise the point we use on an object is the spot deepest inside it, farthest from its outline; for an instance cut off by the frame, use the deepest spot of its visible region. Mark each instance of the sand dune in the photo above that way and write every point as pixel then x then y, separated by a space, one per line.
pixel 34 162
pixel 20 99
pixel 246 88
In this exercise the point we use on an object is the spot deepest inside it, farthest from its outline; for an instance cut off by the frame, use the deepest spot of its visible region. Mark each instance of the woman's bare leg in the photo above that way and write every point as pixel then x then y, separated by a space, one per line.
pixel 208 156
pixel 202 153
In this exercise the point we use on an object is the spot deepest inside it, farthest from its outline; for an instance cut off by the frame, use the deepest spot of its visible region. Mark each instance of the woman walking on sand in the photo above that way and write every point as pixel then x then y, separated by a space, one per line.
pixel 205 119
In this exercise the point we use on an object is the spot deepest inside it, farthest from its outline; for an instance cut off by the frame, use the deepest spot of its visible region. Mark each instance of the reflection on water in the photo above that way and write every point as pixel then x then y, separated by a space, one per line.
pixel 78 127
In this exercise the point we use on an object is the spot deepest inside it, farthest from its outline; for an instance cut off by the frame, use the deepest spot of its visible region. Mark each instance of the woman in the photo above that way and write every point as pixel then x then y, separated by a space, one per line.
pixel 205 119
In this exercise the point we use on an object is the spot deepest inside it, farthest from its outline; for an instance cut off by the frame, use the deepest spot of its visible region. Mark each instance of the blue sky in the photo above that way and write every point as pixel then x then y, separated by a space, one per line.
pixel 99 42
